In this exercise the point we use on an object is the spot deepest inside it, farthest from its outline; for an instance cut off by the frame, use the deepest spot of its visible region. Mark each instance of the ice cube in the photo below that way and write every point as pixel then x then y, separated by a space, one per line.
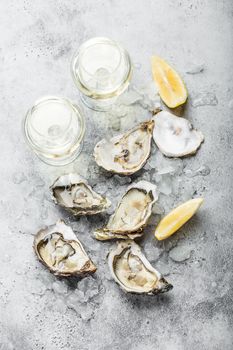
pixel 72 302
pixel 196 68
pixel 152 252
pixel 157 178
pixel 122 180
pixel 204 99
pixel 189 172
pixel 129 98
pixel 150 97
pixel 163 268
pixel 80 296
pixel 118 110
pixel 86 283
pixel 101 187
pixel 157 209
pixel 166 170
pixel 37 287
pixel 37 181
pixel 86 313
pixel 204 170
pixel 180 253
pixel 59 287
pixel 152 162
pixel 147 166
pixel 18 178
pixel 59 305
pixel 165 185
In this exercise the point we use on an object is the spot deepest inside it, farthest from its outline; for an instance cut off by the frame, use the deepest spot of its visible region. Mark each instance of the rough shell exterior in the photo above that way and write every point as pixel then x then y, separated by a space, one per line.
pixel 175 136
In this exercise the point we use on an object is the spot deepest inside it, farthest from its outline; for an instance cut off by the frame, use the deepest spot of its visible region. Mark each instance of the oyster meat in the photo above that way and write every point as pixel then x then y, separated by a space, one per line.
pixel 126 153
pixel 73 193
pixel 132 213
pixel 133 272
pixel 175 136
pixel 58 248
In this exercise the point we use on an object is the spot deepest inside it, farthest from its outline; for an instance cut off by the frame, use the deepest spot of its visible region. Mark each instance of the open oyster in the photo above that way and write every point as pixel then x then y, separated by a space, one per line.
pixel 132 213
pixel 175 136
pixel 133 272
pixel 126 153
pixel 58 248
pixel 73 193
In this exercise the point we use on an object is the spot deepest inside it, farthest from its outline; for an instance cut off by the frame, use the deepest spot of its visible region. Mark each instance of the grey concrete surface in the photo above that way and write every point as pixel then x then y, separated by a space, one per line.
pixel 39 311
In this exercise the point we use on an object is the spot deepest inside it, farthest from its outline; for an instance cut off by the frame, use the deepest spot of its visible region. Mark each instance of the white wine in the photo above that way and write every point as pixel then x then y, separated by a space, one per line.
pixel 101 70
pixel 54 128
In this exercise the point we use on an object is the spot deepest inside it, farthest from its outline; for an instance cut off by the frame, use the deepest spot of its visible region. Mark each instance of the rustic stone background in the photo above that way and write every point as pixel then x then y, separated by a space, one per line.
pixel 39 311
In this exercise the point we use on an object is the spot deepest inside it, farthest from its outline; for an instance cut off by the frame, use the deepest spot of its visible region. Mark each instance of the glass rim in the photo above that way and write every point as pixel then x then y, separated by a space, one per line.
pixel 93 93
pixel 78 112
pixel 98 41
pixel 42 101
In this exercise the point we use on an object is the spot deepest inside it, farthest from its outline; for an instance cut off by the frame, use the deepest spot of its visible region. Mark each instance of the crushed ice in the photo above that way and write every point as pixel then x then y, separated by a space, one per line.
pixel 84 298
pixel 180 254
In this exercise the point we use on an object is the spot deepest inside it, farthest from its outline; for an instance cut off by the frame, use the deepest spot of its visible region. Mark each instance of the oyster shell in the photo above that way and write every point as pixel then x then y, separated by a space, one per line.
pixel 133 272
pixel 126 153
pixel 132 213
pixel 175 136
pixel 58 248
pixel 73 193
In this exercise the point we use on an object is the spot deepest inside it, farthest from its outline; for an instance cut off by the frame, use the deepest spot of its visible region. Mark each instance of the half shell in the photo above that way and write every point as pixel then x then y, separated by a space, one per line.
pixel 133 272
pixel 73 193
pixel 126 153
pixel 132 213
pixel 58 248
pixel 175 136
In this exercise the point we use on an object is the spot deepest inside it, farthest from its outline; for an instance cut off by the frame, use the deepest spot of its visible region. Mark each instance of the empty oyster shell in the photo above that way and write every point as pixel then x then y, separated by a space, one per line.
pixel 175 136
pixel 132 213
pixel 126 153
pixel 58 248
pixel 133 272
pixel 73 193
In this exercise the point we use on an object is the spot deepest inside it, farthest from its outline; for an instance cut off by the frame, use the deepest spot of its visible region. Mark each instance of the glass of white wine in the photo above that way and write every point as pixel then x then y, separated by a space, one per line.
pixel 101 70
pixel 54 128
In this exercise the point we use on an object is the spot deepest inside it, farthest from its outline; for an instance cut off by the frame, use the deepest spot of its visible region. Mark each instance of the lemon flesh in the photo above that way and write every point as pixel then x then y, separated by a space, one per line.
pixel 177 218
pixel 171 87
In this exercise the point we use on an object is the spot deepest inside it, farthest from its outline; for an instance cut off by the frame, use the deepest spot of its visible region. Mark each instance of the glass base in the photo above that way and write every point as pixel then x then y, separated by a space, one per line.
pixel 98 105
pixel 60 161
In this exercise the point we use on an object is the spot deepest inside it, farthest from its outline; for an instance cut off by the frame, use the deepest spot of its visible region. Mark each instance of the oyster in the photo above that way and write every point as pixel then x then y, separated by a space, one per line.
pixel 126 153
pixel 58 248
pixel 73 193
pixel 132 213
pixel 133 272
pixel 175 136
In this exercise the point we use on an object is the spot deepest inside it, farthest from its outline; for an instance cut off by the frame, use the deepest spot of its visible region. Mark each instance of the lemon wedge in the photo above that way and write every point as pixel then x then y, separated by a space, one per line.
pixel 177 218
pixel 171 87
